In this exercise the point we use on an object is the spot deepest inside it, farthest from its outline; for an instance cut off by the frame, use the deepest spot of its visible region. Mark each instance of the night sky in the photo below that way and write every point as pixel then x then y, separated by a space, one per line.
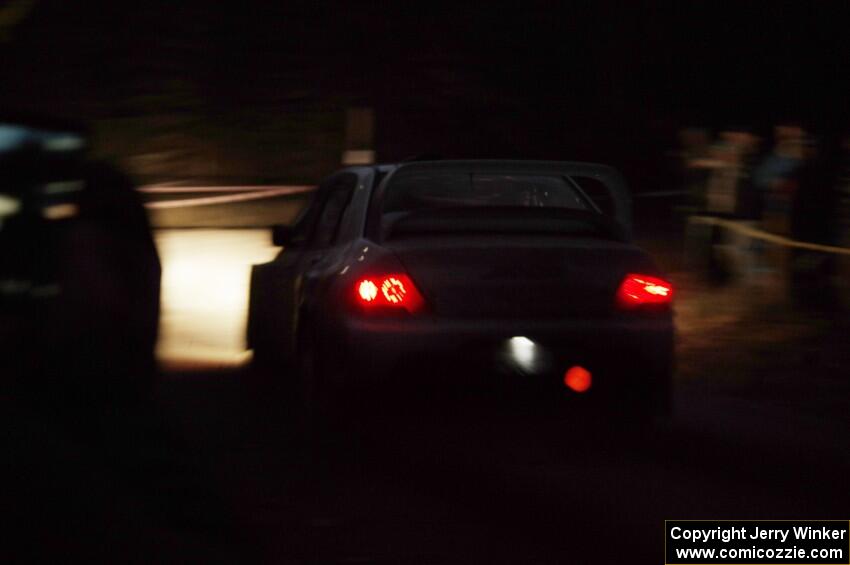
pixel 581 80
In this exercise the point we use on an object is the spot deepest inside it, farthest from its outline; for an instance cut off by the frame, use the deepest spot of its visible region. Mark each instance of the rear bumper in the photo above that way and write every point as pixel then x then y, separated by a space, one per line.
pixel 625 355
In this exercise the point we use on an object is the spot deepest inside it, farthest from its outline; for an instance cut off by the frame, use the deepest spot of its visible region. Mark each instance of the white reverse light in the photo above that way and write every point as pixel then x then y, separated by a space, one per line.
pixel 523 352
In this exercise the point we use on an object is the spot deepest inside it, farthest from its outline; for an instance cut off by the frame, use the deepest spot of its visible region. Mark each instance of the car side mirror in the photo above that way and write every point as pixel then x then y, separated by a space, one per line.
pixel 283 235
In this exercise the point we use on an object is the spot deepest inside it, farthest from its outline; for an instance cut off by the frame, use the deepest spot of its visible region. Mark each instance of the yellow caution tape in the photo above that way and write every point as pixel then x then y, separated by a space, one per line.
pixel 767 236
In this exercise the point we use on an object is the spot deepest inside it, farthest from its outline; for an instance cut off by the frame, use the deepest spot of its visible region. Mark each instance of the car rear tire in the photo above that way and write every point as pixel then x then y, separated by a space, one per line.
pixel 266 358
pixel 322 416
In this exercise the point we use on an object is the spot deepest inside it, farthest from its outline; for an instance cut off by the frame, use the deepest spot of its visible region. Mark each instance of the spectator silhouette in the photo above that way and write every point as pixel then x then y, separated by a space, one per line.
pixel 814 219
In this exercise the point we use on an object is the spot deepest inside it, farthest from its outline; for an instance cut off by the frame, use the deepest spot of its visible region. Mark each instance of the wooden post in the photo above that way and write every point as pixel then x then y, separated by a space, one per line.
pixel 359 137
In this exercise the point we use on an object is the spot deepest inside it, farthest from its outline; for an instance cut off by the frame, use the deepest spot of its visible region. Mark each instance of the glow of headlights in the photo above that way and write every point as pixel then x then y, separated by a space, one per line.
pixel 8 205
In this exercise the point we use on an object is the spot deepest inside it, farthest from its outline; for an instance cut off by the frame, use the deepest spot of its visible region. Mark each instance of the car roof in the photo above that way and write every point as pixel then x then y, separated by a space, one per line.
pixel 579 167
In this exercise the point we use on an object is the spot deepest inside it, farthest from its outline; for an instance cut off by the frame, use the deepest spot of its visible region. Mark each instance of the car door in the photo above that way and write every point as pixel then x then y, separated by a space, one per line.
pixel 274 285
pixel 326 243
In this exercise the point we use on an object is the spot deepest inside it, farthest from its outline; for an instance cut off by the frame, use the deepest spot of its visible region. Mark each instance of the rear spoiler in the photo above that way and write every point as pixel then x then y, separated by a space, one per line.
pixel 609 177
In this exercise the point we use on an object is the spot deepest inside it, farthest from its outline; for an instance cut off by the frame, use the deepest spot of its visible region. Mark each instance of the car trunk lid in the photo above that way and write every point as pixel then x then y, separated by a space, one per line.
pixel 519 277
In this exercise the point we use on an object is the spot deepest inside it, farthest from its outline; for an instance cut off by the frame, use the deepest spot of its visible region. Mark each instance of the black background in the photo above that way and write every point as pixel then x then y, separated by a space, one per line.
pixel 607 81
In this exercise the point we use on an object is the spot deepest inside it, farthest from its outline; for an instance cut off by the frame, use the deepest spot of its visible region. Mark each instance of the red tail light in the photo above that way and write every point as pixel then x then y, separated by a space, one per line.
pixel 638 290
pixel 394 290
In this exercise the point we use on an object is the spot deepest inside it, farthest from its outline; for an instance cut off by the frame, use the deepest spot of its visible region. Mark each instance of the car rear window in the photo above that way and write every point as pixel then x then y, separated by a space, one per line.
pixel 443 202
pixel 439 190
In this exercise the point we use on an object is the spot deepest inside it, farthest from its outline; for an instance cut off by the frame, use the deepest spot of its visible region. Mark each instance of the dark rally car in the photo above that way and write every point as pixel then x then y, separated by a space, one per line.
pixel 426 277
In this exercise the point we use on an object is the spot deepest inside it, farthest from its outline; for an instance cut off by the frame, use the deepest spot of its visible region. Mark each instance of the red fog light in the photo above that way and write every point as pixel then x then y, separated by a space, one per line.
pixel 578 379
